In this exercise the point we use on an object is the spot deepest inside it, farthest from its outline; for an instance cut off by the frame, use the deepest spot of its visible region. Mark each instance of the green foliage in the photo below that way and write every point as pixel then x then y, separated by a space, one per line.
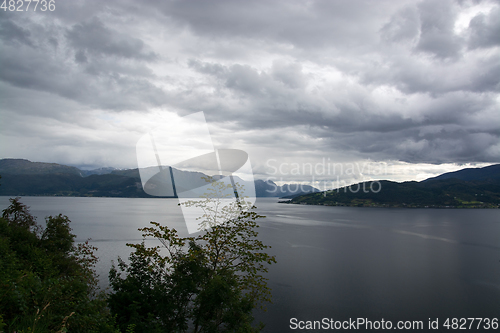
pixel 46 283
pixel 18 214
pixel 109 185
pixel 433 193
pixel 208 283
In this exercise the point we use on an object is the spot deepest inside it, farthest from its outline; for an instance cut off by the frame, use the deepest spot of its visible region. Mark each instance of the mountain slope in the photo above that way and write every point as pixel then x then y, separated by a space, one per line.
pixel 25 167
pixel 480 189
pixel 22 177
pixel 491 172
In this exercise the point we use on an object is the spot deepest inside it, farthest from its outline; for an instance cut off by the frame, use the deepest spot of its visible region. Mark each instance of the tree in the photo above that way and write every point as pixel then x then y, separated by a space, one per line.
pixel 18 214
pixel 207 283
pixel 47 284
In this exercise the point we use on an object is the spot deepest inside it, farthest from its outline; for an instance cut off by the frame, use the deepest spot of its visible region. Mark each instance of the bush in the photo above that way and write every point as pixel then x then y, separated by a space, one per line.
pixel 208 283
pixel 47 284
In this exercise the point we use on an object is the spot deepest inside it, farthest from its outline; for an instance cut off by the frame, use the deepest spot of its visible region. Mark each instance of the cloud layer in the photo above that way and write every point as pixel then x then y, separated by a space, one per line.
pixel 408 81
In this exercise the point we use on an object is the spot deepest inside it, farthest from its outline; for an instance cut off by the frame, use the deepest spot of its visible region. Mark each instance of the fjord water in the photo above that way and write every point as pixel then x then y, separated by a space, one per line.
pixel 332 262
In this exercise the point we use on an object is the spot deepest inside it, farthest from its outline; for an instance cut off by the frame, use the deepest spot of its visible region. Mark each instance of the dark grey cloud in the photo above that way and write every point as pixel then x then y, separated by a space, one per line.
pixel 87 62
pixel 354 123
pixel 485 30
pixel 108 90
pixel 414 81
pixel 97 39
pixel 290 75
pixel 403 26
pixel 413 75
pixel 314 24
pixel 436 31
pixel 10 32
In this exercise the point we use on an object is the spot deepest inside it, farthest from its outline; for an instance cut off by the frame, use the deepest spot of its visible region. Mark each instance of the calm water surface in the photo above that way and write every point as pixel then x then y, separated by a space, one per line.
pixel 333 262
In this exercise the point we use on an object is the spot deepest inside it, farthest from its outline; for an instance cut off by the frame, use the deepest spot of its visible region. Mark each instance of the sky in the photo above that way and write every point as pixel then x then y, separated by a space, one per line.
pixel 314 91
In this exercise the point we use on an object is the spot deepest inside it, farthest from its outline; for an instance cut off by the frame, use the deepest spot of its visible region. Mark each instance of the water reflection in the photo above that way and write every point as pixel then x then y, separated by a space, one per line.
pixel 333 262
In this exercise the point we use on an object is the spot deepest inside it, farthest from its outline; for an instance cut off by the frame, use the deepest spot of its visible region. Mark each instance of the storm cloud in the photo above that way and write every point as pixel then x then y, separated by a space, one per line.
pixel 401 82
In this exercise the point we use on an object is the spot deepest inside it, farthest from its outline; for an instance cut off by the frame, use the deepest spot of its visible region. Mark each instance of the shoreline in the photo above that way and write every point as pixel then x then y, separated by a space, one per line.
pixel 487 206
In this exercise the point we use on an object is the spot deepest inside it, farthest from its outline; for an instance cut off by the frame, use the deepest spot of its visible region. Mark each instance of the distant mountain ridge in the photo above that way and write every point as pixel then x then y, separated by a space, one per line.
pixel 467 188
pixel 491 172
pixel 25 167
pixel 21 177
pixel 99 171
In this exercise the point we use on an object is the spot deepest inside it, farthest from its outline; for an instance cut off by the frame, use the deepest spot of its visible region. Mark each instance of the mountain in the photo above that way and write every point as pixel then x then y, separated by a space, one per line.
pixel 25 167
pixel 271 189
pixel 468 188
pixel 21 177
pixel 491 172
pixel 99 171
pixel 193 180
